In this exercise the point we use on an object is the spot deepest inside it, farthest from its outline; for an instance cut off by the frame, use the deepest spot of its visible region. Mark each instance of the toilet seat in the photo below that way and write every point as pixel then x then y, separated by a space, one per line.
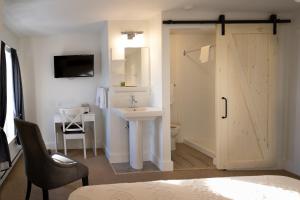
pixel 174 133
pixel 174 129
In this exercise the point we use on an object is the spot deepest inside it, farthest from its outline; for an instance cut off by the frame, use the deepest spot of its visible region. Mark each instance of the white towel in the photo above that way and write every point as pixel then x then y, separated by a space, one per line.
pixel 101 98
pixel 204 54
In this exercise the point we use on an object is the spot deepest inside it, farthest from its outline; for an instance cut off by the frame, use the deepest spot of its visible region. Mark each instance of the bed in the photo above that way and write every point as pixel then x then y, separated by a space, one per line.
pixel 237 188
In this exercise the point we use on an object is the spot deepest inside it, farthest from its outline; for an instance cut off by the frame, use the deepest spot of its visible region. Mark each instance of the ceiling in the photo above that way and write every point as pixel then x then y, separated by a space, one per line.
pixel 52 16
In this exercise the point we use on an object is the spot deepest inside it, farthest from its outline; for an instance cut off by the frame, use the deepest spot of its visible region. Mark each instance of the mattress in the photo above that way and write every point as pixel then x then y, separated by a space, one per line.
pixel 237 188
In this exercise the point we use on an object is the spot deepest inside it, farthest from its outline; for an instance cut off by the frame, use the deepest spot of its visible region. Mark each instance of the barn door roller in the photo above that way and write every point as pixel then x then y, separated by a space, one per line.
pixel 272 20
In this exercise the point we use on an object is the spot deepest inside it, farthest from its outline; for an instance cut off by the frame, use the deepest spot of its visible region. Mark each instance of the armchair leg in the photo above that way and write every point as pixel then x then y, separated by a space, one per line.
pixel 65 145
pixel 85 181
pixel 45 194
pixel 28 190
pixel 84 148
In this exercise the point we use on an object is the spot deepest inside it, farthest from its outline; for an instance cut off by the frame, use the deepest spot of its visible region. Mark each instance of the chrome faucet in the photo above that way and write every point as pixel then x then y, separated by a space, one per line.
pixel 133 101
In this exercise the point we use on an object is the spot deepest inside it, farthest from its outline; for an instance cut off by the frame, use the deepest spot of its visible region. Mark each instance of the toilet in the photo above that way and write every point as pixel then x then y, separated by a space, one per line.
pixel 175 128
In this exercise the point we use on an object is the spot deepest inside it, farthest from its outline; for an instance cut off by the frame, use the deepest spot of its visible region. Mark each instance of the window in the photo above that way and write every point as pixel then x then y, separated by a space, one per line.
pixel 9 126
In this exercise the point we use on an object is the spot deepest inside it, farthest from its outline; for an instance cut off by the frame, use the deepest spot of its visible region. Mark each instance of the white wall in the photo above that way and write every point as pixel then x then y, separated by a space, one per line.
pixel 104 70
pixel 195 14
pixel 1 15
pixel 52 93
pixel 105 79
pixel 29 84
pixel 193 96
pixel 292 49
pixel 9 37
pixel 160 93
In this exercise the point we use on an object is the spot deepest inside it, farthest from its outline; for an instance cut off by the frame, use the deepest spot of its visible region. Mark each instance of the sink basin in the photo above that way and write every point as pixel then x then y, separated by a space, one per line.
pixel 136 109
pixel 135 116
pixel 139 113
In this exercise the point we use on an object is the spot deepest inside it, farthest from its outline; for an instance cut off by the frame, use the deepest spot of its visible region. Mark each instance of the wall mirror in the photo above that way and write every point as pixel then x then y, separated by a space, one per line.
pixel 133 70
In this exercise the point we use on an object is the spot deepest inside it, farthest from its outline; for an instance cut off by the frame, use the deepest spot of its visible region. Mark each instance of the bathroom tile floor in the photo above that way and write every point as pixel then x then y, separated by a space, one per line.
pixel 186 157
pixel 124 168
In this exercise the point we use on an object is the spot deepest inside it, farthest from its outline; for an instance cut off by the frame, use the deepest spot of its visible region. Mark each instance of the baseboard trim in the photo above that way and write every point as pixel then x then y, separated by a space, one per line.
pixel 155 160
pixel 162 165
pixel 123 157
pixel 107 153
pixel 51 145
pixel 199 148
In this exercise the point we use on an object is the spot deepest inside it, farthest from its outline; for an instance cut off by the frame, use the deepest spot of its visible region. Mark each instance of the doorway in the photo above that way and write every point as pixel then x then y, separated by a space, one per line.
pixel 192 97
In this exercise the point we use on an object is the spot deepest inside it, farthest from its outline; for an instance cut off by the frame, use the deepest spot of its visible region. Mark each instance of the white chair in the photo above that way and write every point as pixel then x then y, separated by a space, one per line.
pixel 73 126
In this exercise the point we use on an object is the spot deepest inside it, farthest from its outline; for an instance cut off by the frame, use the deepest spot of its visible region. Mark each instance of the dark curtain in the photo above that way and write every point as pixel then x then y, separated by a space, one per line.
pixel 5 161
pixel 18 91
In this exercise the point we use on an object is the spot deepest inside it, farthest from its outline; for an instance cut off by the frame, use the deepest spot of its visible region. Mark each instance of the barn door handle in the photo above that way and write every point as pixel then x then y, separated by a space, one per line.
pixel 226 102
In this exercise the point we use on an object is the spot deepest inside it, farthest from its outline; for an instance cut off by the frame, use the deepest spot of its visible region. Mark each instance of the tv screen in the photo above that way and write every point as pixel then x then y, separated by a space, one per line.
pixel 74 66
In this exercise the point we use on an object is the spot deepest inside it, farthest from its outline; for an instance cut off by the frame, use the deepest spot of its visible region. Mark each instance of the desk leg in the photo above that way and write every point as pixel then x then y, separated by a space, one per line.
pixel 95 140
pixel 55 138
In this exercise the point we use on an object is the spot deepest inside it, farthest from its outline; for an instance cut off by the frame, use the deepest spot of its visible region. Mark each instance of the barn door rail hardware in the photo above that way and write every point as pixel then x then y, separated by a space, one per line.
pixel 272 20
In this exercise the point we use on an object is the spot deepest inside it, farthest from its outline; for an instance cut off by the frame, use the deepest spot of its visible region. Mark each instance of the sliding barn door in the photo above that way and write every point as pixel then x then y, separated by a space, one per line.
pixel 246 97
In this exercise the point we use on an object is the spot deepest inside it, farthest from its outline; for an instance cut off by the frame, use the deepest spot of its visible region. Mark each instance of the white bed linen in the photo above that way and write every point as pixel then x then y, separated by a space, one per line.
pixel 237 188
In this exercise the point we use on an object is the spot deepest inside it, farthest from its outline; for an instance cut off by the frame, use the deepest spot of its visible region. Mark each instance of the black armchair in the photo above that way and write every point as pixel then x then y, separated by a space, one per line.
pixel 44 170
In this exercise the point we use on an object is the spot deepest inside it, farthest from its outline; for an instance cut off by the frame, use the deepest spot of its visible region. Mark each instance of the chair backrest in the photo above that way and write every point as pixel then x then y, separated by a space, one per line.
pixel 35 152
pixel 72 119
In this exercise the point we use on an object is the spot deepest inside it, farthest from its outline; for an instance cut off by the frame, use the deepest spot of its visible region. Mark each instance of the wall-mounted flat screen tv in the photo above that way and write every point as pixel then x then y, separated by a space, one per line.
pixel 69 66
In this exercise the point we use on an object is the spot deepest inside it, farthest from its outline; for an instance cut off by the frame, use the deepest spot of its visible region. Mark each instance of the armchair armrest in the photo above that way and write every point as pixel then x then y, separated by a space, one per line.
pixel 62 159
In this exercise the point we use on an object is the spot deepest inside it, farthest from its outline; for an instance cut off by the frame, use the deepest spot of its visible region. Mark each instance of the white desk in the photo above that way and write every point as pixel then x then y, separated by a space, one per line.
pixel 89 117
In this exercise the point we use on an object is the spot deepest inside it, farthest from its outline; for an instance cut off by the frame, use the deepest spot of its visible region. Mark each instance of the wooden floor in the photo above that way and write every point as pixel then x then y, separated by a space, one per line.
pixel 186 157
pixel 100 172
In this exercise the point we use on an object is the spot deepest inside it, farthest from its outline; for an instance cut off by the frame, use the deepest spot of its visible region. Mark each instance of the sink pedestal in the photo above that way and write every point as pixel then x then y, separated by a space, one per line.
pixel 136 116
pixel 136 144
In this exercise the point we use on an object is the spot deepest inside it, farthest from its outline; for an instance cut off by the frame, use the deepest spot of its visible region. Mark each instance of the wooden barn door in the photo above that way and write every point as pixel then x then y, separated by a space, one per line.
pixel 246 63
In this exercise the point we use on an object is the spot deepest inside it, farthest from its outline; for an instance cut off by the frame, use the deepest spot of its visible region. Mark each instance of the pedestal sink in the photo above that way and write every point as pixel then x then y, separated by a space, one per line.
pixel 135 116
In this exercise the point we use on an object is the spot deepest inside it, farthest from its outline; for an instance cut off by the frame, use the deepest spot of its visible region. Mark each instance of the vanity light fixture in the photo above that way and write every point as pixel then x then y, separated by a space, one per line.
pixel 131 34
